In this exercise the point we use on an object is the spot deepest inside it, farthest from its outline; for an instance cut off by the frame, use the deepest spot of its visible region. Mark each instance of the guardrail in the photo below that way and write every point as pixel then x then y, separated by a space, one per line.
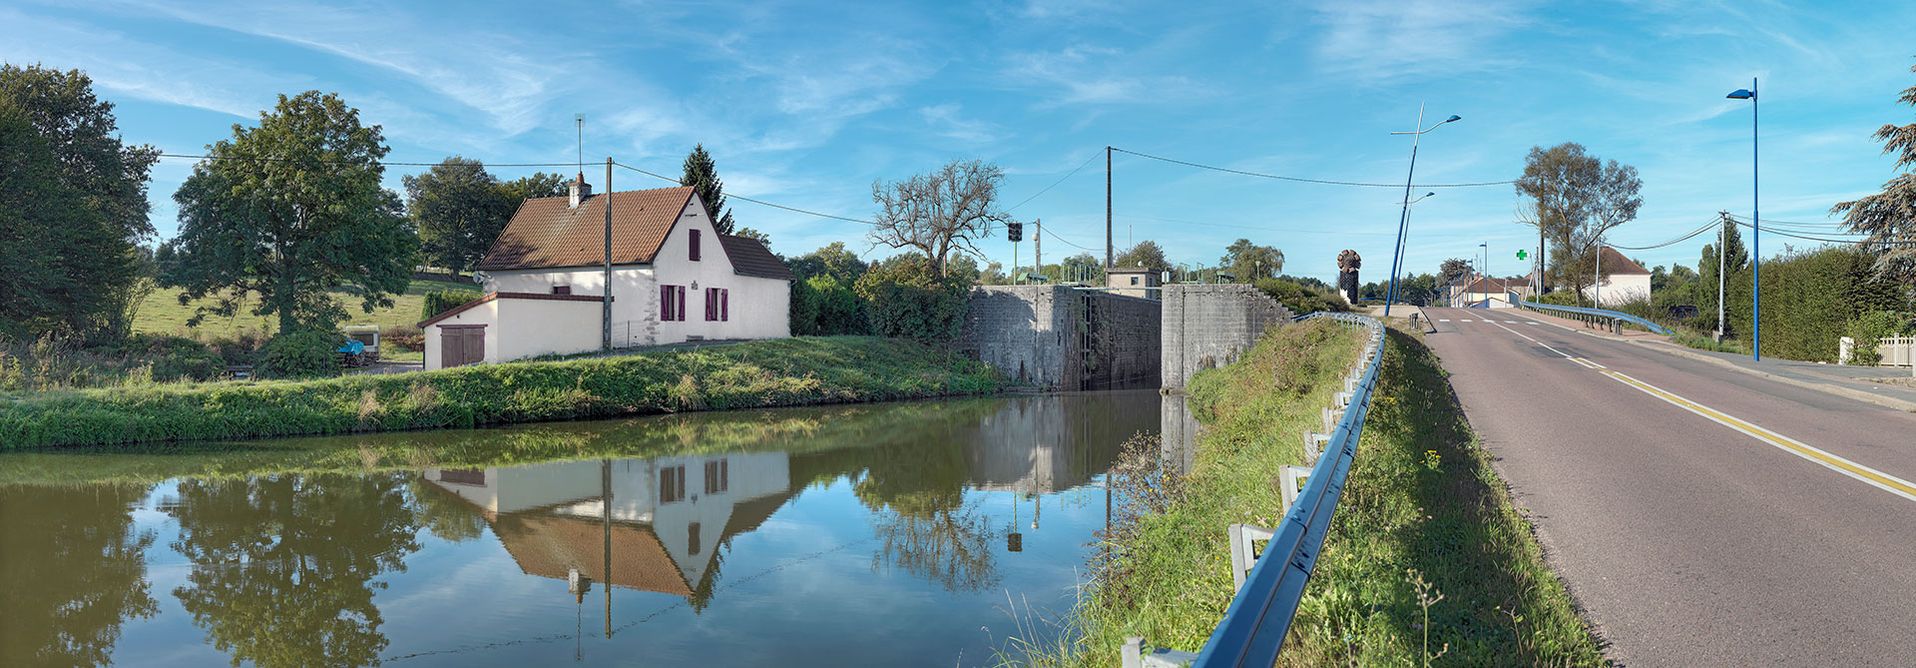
pixel 1259 618
pixel 1615 318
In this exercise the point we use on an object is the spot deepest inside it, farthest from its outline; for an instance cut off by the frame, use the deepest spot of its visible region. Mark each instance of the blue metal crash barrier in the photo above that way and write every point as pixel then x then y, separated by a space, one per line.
pixel 1254 627
pixel 1582 313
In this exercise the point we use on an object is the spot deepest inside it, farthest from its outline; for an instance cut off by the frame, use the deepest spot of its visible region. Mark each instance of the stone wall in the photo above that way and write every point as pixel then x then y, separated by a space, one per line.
pixel 1208 326
pixel 1060 338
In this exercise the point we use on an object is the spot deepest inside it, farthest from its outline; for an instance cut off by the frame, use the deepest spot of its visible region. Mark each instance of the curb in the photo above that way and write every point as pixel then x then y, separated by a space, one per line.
pixel 1668 348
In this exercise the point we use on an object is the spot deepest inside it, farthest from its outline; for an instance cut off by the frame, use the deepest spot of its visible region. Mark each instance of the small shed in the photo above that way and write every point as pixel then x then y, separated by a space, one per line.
pixel 511 325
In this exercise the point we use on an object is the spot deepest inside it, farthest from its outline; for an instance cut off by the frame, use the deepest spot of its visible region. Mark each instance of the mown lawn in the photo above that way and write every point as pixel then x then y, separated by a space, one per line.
pixel 1424 527
pixel 162 313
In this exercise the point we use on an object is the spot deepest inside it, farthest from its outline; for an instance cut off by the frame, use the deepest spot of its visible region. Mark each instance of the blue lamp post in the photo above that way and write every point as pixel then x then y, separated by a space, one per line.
pixel 1756 230
pixel 1403 219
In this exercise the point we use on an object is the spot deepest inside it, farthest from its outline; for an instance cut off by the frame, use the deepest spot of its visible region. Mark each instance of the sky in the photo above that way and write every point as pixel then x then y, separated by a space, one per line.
pixel 809 104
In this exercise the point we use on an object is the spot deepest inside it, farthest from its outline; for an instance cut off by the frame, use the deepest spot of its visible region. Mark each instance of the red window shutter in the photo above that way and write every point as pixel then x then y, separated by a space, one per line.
pixel 711 313
pixel 681 302
pixel 665 302
pixel 725 304
pixel 695 245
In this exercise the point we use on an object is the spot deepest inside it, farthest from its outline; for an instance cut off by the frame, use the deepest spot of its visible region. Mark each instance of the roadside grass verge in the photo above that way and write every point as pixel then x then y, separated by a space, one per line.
pixel 777 372
pixel 1424 527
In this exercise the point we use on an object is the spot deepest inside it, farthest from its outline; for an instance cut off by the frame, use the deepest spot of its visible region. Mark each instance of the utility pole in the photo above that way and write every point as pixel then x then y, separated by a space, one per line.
pixel 1037 245
pixel 1108 256
pixel 1722 245
pixel 605 309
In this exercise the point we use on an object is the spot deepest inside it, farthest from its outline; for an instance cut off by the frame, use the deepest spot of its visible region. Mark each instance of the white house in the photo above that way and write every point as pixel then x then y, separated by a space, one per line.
pixel 1623 280
pixel 674 279
pixel 1488 292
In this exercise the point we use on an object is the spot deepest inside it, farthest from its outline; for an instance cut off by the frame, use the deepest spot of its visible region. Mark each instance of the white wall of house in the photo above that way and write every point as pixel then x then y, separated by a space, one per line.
pixel 484 314
pixel 759 307
pixel 1620 288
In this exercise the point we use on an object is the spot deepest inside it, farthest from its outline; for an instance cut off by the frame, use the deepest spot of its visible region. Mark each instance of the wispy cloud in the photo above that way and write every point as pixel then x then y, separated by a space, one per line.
pixel 947 121
pixel 1081 74
pixel 1381 40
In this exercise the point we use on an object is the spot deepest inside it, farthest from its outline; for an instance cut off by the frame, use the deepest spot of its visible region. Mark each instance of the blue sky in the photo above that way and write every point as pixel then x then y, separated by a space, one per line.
pixel 807 103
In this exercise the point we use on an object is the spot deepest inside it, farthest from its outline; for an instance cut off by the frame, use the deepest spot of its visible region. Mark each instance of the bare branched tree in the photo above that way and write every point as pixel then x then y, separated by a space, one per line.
pixel 937 213
pixel 1889 217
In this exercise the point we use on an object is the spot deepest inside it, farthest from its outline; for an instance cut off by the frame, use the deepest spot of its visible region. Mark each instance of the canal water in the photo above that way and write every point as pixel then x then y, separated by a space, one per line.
pixel 875 535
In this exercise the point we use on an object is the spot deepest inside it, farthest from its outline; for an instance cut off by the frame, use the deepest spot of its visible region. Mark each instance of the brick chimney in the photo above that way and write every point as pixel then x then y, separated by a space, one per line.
pixel 580 190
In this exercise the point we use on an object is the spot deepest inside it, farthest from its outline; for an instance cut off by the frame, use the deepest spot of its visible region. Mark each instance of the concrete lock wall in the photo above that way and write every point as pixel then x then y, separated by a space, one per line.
pixel 1061 338
pixel 1208 326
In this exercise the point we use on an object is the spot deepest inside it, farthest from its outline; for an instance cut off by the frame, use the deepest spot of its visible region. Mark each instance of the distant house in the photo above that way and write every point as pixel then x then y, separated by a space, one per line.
pixel 674 279
pixel 1623 280
pixel 1133 281
pixel 1486 292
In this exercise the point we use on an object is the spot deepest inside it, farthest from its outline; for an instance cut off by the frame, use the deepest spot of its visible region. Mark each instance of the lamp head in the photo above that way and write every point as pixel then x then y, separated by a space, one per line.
pixel 1741 94
pixel 1453 118
pixel 1432 193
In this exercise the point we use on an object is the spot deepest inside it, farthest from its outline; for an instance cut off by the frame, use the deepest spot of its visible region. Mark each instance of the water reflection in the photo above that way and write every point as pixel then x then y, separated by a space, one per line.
pixel 909 522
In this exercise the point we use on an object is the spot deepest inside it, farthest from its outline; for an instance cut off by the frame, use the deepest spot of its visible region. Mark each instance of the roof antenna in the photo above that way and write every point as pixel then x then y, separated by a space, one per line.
pixel 578 121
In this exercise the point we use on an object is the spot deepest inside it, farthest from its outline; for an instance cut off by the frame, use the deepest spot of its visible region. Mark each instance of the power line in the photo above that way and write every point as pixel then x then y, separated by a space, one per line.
pixel 1299 179
pixel 1686 237
pixel 760 202
pixel 1063 240
pixel 1859 242
pixel 482 164
pixel 1054 184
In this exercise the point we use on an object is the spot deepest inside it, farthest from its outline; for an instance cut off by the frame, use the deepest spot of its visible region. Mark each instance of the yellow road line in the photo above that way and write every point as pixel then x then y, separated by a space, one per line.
pixel 1879 479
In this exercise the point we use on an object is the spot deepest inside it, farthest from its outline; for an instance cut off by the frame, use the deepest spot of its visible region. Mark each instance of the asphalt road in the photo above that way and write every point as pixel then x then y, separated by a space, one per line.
pixel 1756 524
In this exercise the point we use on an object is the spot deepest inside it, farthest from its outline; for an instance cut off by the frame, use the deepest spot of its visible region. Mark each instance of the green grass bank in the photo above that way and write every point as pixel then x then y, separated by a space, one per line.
pixel 1425 526
pixel 780 372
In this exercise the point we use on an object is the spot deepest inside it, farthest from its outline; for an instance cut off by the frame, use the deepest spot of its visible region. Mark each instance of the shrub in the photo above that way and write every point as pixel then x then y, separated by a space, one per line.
pixel 173 358
pixel 1869 330
pixel 904 299
pixel 1809 298
pixel 302 354
pixel 403 336
pixel 1301 298
pixel 441 301
pixel 1559 298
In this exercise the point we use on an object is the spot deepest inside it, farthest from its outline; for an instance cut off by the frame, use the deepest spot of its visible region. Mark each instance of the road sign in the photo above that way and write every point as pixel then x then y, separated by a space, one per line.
pixel 1521 254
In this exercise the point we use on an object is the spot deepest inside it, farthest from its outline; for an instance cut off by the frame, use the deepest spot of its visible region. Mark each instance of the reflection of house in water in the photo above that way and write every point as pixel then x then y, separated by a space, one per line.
pixel 644 524
pixel 1037 445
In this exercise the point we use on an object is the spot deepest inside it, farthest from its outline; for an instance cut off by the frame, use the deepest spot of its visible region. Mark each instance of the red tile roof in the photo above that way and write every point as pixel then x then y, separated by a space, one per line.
pixel 547 233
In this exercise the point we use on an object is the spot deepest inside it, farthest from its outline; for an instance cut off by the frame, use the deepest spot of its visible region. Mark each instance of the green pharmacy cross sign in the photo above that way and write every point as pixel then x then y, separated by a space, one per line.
pixel 1521 254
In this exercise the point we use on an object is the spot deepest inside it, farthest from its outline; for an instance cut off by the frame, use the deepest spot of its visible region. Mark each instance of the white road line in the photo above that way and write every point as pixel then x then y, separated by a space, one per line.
pixel 1443 320
pixel 1510 322
pixel 1533 322
pixel 1870 476
pixel 1464 320
pixel 1545 345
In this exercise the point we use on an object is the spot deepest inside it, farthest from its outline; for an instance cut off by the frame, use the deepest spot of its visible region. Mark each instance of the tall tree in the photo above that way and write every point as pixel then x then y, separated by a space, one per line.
pixel 833 259
pixel 1887 216
pixel 1736 262
pixel 91 257
pixel 1248 262
pixel 1574 198
pixel 290 210
pixel 459 209
pixel 939 213
pixel 1453 269
pixel 1083 267
pixel 1145 254
pixel 701 173
pixel 538 184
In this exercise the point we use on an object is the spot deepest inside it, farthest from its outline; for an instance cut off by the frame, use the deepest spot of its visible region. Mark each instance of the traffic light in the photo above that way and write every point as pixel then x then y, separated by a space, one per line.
pixel 1015 231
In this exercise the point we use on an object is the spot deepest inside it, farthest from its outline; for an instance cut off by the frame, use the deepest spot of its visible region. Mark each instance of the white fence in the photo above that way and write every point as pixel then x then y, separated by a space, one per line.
pixel 1894 350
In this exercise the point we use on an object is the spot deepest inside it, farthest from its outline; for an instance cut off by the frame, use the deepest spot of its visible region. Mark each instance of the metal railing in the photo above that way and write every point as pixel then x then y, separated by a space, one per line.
pixel 1259 617
pixel 1590 315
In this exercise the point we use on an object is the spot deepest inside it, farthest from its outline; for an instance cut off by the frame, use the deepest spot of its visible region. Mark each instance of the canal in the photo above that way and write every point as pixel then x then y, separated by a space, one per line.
pixel 889 534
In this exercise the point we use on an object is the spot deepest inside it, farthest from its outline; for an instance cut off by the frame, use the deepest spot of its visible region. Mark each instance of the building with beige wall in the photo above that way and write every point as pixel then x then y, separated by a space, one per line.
pixel 1133 281
pixel 674 279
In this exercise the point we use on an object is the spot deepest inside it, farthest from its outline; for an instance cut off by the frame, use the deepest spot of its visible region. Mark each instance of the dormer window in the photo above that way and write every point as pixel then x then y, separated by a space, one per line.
pixel 694 254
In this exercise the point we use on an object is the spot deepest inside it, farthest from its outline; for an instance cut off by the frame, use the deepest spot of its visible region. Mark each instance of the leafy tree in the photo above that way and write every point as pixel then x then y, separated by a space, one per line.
pixel 1886 216
pixel 74 160
pixel 1082 267
pixel 1453 269
pixel 1248 261
pixel 1737 263
pixel 939 213
pixel 459 209
pixel 1575 198
pixel 538 184
pixel 1145 254
pixel 834 260
pixel 701 173
pixel 756 235
pixel 288 210
pixel 75 571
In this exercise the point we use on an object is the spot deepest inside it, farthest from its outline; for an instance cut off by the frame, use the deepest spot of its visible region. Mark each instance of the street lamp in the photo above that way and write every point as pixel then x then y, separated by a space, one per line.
pixel 1756 230
pixel 1400 238
pixel 1403 219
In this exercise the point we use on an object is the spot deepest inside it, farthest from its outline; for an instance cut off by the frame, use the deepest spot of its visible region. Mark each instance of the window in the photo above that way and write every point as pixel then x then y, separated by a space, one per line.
pixel 1134 280
pixel 694 236
pixel 718 302
pixel 671 302
pixel 561 289
pixel 463 476
pixel 671 484
pixel 717 476
pixel 692 538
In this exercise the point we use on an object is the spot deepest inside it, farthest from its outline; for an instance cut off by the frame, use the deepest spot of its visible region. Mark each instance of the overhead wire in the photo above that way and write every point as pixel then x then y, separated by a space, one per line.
pixel 382 163
pixel 1686 237
pixel 1299 179
pixel 1074 172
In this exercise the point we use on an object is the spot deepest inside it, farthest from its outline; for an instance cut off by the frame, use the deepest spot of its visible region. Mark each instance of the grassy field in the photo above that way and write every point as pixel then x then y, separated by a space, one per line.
pixel 776 372
pixel 162 313
pixel 1425 538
